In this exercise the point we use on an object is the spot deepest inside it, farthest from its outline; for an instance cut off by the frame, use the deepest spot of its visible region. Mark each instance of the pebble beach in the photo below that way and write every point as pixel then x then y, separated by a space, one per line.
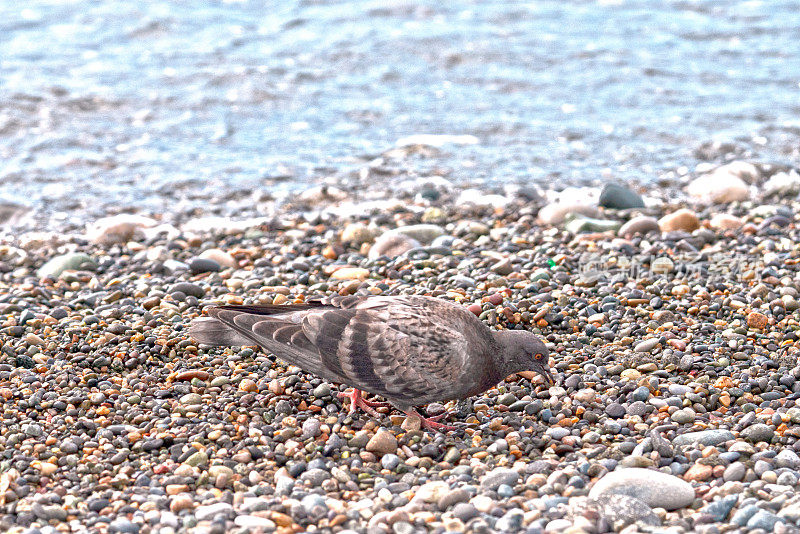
pixel 619 177
pixel 671 313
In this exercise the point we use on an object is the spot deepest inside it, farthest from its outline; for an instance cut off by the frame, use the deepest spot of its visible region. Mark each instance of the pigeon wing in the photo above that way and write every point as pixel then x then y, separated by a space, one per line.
pixel 394 347
pixel 403 349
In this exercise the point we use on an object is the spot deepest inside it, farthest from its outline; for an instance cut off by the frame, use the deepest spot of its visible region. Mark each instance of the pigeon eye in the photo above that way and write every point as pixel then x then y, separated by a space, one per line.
pixel 538 356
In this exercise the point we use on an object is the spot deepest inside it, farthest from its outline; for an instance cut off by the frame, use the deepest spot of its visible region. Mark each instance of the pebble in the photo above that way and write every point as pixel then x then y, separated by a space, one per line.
pixel 49 512
pixel 204 265
pixel 616 196
pixel 764 520
pixel 253 522
pixel 578 224
pixel 615 410
pixel 647 345
pixel 383 442
pixel 757 320
pixel 681 220
pixel 465 511
pixel 720 509
pixel 787 458
pixel 210 511
pixel 615 509
pixel 725 221
pixel 500 475
pixel 392 245
pixel 66 262
pixel 118 229
pixel 555 214
pixel 719 186
pixel 350 273
pixel 423 233
pixel 734 472
pixel 123 525
pixel 683 417
pixel 432 491
pixel 356 233
pixel 698 472
pixel 758 432
pixel 704 437
pixel 220 257
pixel 641 224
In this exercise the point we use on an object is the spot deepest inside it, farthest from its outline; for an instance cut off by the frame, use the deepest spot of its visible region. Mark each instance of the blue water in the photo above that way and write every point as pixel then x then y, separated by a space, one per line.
pixel 142 103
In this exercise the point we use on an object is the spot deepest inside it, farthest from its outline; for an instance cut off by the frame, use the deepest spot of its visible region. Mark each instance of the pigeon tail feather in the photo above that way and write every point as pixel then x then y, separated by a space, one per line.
pixel 210 331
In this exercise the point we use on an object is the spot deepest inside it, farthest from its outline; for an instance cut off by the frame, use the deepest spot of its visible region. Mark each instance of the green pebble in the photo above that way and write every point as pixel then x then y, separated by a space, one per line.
pixel 452 456
pixel 198 458
pixel 219 382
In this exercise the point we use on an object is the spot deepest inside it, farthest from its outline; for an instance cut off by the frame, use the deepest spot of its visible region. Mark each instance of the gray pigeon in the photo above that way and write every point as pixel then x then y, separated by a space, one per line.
pixel 411 350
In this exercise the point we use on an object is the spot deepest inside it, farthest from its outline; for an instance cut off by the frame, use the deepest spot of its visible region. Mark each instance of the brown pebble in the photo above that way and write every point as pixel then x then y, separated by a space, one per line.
pixel 181 502
pixel 683 219
pixel 757 320
pixel 191 375
pixel 698 472
pixel 174 489
pixel 248 385
pixel 275 387
pixel 383 442
pixel 350 273
pixel 495 299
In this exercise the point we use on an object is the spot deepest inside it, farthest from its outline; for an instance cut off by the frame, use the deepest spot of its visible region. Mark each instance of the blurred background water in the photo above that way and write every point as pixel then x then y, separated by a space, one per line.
pixel 140 103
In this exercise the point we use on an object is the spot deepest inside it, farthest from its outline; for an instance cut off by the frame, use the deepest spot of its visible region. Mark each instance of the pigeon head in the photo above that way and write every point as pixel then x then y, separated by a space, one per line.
pixel 524 351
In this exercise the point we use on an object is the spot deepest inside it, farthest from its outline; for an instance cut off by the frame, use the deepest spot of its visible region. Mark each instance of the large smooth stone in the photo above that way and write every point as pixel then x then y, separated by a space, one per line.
pixel 392 244
pixel 724 184
pixel 682 220
pixel 638 225
pixel 555 214
pixel 726 221
pixel 655 488
pixel 704 437
pixel 783 183
pixel 619 197
pixel 424 233
pixel 585 224
pixel 118 229
pixel 66 262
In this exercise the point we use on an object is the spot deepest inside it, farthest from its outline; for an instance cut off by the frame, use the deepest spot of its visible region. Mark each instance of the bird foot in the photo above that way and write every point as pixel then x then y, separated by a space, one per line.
pixel 431 423
pixel 358 401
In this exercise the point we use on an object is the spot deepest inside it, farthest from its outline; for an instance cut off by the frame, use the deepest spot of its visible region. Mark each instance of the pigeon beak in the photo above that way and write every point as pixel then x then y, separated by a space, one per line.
pixel 548 376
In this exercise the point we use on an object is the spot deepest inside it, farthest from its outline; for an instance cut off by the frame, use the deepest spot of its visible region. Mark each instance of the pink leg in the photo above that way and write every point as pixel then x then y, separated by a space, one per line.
pixel 358 401
pixel 431 423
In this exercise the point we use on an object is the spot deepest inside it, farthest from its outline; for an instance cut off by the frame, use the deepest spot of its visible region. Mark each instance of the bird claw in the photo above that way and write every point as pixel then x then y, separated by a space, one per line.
pixel 358 401
pixel 432 423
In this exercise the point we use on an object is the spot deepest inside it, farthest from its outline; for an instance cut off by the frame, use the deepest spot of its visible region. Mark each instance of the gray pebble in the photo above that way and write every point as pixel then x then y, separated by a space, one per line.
pixel 758 432
pixel 734 472
pixel 315 476
pixel 615 410
pixel 647 345
pixel 499 475
pixel 123 525
pixel 465 511
pixel 704 437
pixel 764 520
